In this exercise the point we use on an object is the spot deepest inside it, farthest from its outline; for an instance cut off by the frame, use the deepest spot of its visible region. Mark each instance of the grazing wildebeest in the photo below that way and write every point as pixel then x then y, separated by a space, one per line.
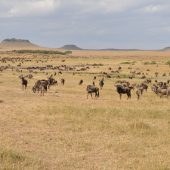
pixel 164 92
pixel 62 81
pixel 144 86
pixel 101 83
pixel 139 91
pixel 81 82
pixel 92 89
pixel 51 82
pixel 161 91
pixel 24 82
pixel 41 86
pixel 124 90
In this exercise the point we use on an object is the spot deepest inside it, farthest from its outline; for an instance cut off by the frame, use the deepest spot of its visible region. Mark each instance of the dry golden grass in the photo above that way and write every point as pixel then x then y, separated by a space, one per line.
pixel 64 131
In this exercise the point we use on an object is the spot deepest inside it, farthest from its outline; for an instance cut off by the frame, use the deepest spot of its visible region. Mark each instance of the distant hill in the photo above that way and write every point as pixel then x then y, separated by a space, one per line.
pixel 17 43
pixel 71 47
pixel 74 47
pixel 166 49
pixel 114 49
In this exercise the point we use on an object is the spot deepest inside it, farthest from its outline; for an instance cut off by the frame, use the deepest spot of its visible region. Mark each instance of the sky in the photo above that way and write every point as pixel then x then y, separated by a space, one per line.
pixel 90 24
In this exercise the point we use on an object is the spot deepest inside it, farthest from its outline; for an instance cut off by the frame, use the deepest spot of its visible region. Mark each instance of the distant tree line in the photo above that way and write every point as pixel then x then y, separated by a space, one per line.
pixel 42 52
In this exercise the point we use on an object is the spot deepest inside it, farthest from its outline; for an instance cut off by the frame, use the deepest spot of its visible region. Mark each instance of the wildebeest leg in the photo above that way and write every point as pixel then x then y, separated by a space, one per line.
pixel 95 95
pixel 91 95
pixel 42 91
pixel 23 87
pixel 120 95
pixel 128 95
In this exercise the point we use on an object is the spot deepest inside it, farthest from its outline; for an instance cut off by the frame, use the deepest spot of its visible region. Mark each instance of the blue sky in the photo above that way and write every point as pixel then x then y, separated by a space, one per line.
pixel 142 24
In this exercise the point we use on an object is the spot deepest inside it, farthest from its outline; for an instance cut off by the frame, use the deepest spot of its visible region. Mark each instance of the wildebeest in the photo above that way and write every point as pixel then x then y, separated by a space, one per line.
pixel 124 90
pixel 92 89
pixel 24 82
pixel 144 86
pixel 62 81
pixel 139 92
pixel 51 81
pixel 41 86
pixel 81 82
pixel 101 83
pixel 161 91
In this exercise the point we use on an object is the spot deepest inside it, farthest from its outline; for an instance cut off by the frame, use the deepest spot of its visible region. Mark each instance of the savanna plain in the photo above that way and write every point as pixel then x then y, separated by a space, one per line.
pixel 63 130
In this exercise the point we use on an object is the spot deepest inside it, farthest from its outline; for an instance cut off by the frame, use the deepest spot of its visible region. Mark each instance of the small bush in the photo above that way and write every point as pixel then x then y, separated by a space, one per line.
pixel 128 62
pixel 168 63
pixel 150 63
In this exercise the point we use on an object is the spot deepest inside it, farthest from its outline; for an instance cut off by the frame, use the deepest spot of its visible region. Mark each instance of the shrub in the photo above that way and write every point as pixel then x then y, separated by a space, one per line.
pixel 168 63
pixel 150 63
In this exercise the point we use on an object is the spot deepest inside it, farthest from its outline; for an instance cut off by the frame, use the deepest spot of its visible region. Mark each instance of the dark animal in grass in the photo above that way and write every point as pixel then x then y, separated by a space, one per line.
pixel 24 82
pixel 130 77
pixel 124 90
pixel 163 92
pixel 62 81
pixel 51 81
pixel 144 86
pixel 139 91
pixel 101 83
pixel 40 86
pixel 81 82
pixel 43 88
pixel 92 89
pixel 160 91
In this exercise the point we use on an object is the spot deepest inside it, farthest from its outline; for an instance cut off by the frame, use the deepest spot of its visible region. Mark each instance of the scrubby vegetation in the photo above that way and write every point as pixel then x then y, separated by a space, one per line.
pixel 168 63
pixel 150 63
pixel 42 52
pixel 128 62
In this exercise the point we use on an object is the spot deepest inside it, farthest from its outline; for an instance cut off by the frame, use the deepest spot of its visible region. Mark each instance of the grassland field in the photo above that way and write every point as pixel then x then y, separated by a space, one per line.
pixel 64 130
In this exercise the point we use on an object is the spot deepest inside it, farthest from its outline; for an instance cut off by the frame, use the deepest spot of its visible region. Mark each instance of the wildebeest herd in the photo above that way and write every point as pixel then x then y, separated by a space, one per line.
pixel 121 86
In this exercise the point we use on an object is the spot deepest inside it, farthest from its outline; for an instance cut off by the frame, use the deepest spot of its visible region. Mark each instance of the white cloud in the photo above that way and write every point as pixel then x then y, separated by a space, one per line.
pixel 28 7
pixel 22 8
pixel 103 6
pixel 153 8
